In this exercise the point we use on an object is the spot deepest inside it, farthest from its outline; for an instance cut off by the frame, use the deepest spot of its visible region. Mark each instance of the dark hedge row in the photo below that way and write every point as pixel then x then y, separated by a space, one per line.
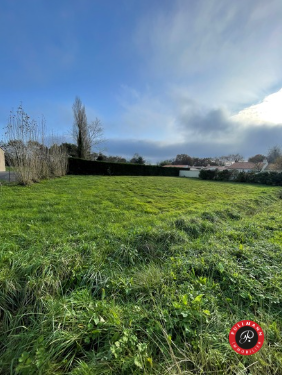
pixel 86 167
pixel 266 178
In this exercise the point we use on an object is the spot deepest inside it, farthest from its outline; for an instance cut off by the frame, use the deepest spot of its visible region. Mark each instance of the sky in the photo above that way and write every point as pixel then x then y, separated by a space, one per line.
pixel 200 77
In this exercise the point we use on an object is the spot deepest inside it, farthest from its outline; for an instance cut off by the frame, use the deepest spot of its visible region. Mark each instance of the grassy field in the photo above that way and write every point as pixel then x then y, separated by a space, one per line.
pixel 138 275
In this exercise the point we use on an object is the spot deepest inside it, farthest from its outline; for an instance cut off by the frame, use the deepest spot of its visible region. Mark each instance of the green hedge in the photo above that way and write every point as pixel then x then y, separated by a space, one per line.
pixel 86 167
pixel 265 178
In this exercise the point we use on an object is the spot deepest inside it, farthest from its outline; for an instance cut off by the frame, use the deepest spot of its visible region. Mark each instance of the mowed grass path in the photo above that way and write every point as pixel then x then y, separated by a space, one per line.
pixel 134 275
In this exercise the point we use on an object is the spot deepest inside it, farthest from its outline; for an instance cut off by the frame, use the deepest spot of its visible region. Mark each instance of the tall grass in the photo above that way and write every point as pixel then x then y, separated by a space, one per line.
pixel 130 275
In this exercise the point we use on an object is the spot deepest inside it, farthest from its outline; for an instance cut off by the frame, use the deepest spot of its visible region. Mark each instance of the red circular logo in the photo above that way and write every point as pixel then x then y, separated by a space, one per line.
pixel 246 337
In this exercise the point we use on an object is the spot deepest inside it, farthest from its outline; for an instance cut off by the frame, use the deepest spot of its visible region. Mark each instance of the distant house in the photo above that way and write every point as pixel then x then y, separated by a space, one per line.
pixel 2 160
pixel 246 166
pixel 272 168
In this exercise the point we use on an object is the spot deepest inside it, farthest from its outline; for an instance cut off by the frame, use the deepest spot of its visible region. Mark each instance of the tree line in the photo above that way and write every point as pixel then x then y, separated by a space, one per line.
pixel 274 156
pixel 72 151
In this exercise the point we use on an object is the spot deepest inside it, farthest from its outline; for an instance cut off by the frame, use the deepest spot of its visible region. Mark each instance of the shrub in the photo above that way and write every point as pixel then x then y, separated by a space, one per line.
pixel 223 176
pixel 207 174
pixel 264 178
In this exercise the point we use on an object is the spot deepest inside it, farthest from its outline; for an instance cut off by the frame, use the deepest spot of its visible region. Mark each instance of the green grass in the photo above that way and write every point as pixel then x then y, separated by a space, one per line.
pixel 138 275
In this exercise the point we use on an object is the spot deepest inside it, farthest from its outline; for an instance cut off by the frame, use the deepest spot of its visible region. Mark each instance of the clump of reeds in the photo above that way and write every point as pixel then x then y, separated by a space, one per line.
pixel 27 153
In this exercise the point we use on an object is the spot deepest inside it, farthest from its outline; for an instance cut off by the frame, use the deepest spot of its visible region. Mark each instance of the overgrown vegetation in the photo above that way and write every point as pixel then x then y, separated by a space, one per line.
pixel 131 275
pixel 26 152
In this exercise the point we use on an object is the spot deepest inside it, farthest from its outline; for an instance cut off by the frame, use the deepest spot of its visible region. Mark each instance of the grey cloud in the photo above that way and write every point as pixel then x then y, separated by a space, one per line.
pixel 252 140
pixel 156 151
pixel 261 138
pixel 213 123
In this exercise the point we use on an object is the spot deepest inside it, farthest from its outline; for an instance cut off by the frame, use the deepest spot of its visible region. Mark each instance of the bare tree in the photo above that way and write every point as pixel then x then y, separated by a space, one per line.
pixel 232 158
pixel 87 134
pixel 95 133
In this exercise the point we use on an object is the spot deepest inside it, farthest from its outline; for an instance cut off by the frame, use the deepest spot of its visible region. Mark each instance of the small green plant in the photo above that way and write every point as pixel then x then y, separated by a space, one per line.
pixel 130 352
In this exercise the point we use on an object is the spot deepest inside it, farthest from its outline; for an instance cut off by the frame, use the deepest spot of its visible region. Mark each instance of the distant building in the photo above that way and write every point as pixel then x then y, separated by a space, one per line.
pixel 272 168
pixel 2 160
pixel 246 166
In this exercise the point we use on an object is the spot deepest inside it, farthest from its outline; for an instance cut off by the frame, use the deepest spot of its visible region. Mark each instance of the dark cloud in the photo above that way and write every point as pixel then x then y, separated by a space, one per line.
pixel 212 123
pixel 260 138
pixel 247 141
pixel 156 151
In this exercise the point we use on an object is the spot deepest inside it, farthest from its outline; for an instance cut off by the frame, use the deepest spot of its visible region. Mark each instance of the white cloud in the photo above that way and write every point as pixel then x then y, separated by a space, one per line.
pixel 268 111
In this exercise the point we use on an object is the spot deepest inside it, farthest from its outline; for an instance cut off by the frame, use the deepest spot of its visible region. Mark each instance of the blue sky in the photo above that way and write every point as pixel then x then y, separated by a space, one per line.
pixel 201 77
